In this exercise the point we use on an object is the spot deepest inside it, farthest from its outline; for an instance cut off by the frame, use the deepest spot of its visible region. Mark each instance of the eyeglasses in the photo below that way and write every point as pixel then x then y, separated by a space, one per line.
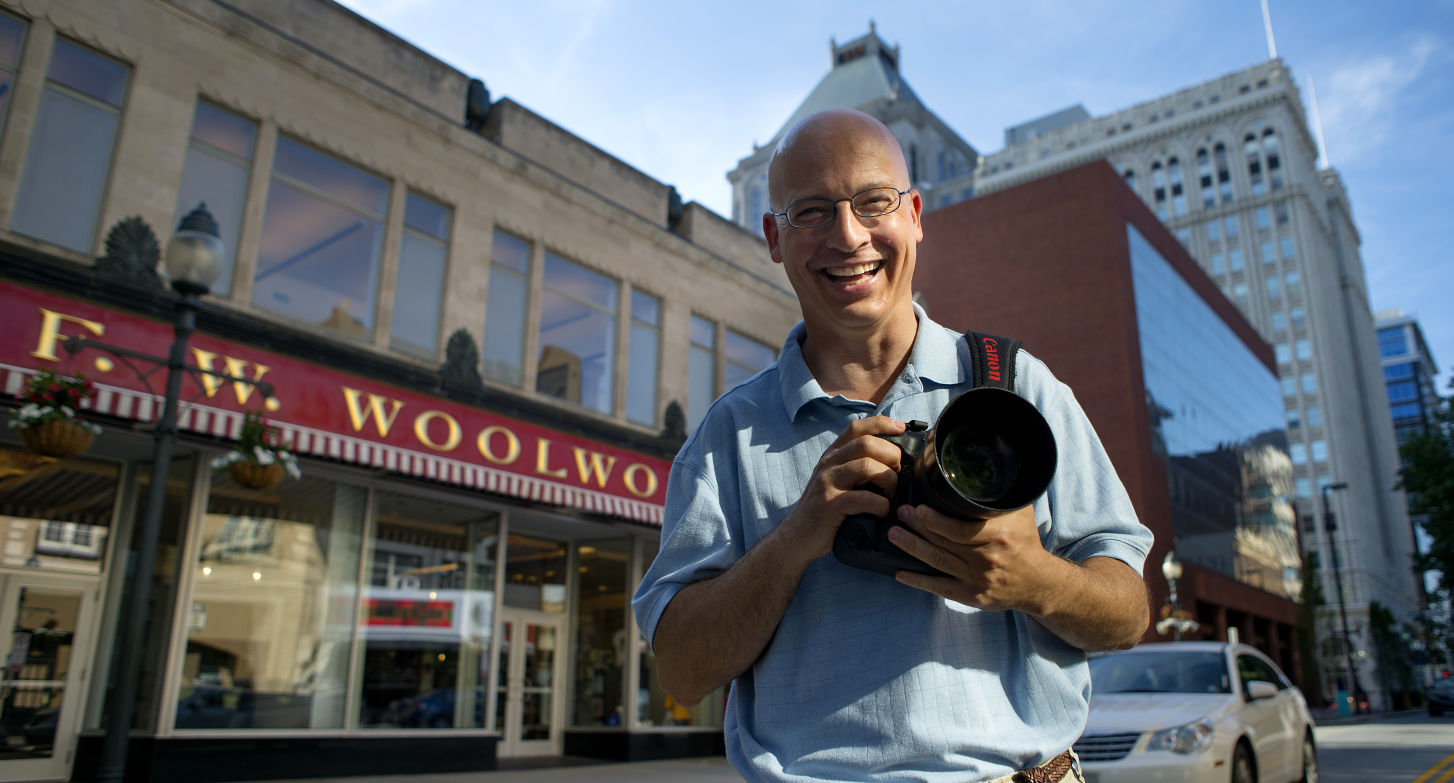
pixel 815 212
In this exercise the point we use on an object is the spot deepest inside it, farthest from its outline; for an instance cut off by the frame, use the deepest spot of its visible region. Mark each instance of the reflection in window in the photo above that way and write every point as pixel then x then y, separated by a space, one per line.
pixel 577 334
pixel 509 294
pixel 1319 450
pixel 1297 316
pixel 272 607
pixel 745 357
pixel 1228 470
pixel 600 665
pixel 56 514
pixel 322 232
pixel 1314 416
pixel 219 162
pixel 644 357
pixel 701 370
pixel 1294 283
pixel 1234 259
pixel 419 285
pixel 1279 321
pixel 66 167
pixel 1304 350
pixel 1309 382
pixel 428 615
pixel 12 38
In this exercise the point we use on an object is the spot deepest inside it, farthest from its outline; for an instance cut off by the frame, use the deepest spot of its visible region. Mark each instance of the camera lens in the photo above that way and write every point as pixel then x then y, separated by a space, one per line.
pixel 979 463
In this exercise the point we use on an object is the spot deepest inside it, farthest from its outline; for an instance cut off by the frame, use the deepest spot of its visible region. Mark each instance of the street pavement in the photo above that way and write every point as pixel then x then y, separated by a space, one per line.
pixel 704 770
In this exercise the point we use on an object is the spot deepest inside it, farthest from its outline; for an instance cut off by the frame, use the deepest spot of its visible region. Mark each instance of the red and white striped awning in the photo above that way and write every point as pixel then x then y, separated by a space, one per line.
pixel 196 417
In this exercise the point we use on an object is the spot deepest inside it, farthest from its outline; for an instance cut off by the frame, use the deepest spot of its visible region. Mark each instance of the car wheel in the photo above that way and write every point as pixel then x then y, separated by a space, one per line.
pixel 1244 769
pixel 1310 761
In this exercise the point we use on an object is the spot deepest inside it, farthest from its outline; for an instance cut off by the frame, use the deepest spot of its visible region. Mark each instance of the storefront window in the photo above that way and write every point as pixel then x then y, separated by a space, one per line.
pixel 601 633
pixel 55 515
pixel 535 576
pixel 428 615
pixel 272 607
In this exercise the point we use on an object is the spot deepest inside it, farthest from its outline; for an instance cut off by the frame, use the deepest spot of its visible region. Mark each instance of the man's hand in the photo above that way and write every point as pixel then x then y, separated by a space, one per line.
pixel 999 564
pixel 840 485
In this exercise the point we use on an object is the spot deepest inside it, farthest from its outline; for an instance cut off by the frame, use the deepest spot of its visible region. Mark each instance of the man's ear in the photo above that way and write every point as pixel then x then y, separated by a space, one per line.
pixel 916 209
pixel 770 232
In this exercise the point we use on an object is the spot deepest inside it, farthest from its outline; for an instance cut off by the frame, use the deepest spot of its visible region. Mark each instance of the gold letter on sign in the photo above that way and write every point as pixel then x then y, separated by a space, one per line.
pixel 421 430
pixel 631 480
pixel 383 421
pixel 542 460
pixel 596 469
pixel 50 332
pixel 512 445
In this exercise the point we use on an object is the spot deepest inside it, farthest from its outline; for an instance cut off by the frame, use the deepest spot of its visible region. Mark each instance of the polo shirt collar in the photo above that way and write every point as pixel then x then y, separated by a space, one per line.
pixel 935 357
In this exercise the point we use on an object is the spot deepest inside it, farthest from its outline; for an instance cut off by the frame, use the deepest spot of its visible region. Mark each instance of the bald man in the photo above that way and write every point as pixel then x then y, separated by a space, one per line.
pixel 840 674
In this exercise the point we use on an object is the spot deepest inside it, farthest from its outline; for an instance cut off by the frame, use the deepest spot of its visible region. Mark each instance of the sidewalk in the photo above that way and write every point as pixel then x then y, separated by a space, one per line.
pixel 696 770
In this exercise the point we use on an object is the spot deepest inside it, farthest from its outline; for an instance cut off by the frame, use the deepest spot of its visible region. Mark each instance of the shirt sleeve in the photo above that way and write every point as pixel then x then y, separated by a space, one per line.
pixel 1088 511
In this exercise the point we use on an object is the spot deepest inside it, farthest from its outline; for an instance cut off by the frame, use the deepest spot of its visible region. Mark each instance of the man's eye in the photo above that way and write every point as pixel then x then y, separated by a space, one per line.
pixel 809 212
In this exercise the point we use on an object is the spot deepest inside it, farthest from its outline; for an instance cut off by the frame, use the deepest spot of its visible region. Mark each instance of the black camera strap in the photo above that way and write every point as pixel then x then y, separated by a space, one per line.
pixel 992 360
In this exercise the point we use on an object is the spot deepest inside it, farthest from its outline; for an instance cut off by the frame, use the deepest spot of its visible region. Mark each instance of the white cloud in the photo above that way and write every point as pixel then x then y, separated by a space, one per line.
pixel 1360 103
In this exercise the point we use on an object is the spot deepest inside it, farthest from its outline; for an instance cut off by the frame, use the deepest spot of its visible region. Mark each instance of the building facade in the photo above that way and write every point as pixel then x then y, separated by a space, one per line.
pixel 482 334
pixel 865 75
pixel 1179 385
pixel 1410 374
pixel 1231 168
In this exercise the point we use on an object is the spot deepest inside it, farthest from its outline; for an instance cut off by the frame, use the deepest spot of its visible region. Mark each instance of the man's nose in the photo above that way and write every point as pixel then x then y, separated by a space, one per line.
pixel 847 231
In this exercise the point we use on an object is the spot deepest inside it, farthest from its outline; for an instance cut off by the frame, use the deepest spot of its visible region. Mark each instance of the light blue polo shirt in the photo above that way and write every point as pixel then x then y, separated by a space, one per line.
pixel 867 679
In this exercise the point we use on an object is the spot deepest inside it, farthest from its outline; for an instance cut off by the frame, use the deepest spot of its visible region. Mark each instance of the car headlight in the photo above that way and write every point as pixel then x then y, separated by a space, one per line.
pixel 1193 737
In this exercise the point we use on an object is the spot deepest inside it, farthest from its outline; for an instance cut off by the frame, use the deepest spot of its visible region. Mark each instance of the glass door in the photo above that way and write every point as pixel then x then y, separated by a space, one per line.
pixel 527 703
pixel 43 681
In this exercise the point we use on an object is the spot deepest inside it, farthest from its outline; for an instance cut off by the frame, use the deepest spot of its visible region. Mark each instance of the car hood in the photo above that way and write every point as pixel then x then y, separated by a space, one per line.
pixel 1153 711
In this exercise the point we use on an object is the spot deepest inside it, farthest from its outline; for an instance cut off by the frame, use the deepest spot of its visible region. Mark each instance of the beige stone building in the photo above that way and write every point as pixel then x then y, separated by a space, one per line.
pixel 486 339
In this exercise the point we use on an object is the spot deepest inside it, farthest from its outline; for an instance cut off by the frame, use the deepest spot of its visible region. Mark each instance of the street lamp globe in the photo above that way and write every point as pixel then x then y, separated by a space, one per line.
pixel 1171 567
pixel 195 253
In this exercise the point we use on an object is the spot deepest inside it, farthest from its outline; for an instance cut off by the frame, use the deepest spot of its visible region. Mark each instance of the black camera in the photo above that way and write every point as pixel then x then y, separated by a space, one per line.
pixel 991 452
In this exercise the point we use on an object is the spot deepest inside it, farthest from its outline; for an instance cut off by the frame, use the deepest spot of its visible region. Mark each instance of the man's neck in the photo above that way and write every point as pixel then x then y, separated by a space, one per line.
pixel 860 366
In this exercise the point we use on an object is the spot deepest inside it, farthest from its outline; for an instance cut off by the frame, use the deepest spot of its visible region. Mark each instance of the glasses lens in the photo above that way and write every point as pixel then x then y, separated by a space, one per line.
pixel 875 202
pixel 810 214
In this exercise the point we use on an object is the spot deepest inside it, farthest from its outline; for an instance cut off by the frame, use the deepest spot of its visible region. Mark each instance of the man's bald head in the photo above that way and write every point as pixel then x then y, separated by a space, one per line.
pixel 807 143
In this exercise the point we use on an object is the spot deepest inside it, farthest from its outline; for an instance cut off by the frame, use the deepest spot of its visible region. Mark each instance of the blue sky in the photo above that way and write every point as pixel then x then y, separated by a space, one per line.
pixel 682 90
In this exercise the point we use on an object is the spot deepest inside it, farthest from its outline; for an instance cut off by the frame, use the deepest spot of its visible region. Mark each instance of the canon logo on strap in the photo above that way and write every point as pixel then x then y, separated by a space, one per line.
pixel 992 355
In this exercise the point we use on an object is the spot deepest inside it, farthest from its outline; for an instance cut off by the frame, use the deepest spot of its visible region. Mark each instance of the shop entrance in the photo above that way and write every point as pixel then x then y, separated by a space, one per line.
pixel 48 618
pixel 527 694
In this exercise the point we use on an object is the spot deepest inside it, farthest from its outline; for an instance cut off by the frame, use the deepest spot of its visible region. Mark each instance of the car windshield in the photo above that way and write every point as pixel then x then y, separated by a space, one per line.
pixel 1160 672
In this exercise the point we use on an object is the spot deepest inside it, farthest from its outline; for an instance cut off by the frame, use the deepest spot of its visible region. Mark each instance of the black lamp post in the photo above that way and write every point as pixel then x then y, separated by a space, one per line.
pixel 1328 527
pixel 193 260
pixel 1171 569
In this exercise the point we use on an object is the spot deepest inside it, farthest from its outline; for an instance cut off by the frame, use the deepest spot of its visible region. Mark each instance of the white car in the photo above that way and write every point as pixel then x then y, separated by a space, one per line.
pixel 1195 711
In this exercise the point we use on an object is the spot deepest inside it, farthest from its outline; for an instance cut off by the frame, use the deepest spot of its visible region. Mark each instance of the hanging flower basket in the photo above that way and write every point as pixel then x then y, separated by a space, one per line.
pixel 47 421
pixel 255 476
pixel 261 459
pixel 58 438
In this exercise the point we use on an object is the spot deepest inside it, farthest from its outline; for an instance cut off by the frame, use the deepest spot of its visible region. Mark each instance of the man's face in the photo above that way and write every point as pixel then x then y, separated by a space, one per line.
pixel 853 273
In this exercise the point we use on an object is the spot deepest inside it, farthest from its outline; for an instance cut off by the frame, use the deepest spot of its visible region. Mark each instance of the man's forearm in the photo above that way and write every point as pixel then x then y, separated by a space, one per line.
pixel 715 629
pixel 1103 606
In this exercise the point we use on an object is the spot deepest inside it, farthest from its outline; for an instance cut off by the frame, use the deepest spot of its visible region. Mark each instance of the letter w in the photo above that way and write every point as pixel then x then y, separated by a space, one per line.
pixel 596 469
pixel 382 421
pixel 237 368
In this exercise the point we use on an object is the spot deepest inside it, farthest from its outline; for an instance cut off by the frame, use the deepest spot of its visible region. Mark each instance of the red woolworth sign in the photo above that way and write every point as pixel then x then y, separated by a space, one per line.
pixel 328 412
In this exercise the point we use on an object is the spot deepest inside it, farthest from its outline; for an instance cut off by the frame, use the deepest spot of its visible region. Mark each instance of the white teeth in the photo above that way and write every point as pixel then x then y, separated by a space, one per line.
pixel 853 271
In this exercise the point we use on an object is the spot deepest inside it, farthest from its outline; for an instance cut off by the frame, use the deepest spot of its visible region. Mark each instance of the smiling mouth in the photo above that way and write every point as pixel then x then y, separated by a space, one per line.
pixel 853 274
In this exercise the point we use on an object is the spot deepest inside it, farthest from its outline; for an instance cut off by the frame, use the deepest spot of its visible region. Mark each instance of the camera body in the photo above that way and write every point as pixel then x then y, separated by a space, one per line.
pixel 990 453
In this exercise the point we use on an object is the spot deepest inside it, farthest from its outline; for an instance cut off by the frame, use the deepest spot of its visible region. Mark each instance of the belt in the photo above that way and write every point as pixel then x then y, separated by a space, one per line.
pixel 1052 771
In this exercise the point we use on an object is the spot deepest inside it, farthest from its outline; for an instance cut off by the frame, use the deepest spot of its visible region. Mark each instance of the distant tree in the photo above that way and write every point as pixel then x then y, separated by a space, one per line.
pixel 1427 476
pixel 1307 632
pixel 1394 655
